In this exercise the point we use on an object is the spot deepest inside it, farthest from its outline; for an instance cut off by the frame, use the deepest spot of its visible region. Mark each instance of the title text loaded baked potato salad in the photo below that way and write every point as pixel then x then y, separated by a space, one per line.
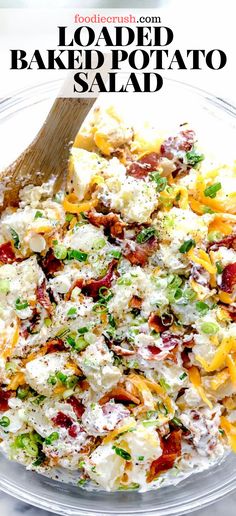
pixel 117 312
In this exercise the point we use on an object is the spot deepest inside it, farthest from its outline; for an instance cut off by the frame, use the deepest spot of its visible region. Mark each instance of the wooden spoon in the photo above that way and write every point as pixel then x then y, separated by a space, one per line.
pixel 47 156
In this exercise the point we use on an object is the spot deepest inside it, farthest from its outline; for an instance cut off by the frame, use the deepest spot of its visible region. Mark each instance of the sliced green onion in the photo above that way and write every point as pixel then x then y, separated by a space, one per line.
pixel 164 384
pixel 71 381
pixel 194 157
pixel 161 181
pixel 189 294
pixel 151 423
pixel 72 312
pixel 27 443
pixel 115 254
pixel 51 438
pixel 122 453
pixel 209 328
pixel 177 421
pixel 60 252
pixel 212 190
pixel 15 238
pixel 52 380
pixel 61 376
pixel 80 344
pixel 141 457
pixel 111 321
pixel 74 254
pixel 83 330
pixel 22 393
pixel 124 281
pixel 99 308
pixel 187 245
pixel 202 307
pixel 69 217
pixel 105 294
pixel 219 267
pixel 206 209
pixel 4 421
pixel 48 322
pixel 21 305
pixel 183 376
pixel 99 243
pixel 38 215
pixel 214 236
pixel 4 286
pixel 145 235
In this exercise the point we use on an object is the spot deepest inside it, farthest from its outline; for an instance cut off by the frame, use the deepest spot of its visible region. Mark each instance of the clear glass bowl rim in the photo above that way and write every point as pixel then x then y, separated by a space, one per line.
pixel 9 106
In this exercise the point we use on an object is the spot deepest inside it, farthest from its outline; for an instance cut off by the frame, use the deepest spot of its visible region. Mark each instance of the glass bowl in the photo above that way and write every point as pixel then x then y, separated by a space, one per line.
pixel 21 116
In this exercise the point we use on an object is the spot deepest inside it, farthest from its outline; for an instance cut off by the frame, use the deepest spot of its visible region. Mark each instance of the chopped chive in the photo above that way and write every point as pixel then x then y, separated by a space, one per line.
pixel 4 286
pixel 115 254
pixel 69 217
pixel 48 322
pixel 52 380
pixel 183 376
pixel 61 376
pixel 219 267
pixel 83 330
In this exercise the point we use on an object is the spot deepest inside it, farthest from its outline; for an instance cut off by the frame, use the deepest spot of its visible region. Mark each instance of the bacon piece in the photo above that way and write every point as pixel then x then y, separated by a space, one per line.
pixel 155 323
pixel 171 450
pixel 136 302
pixel 62 420
pixel 175 145
pixel 119 394
pixel 141 252
pixel 54 345
pixel 228 278
pixel 141 168
pixel 169 348
pixel 7 254
pixel 4 397
pixel 77 283
pixel 73 431
pixel 50 264
pixel 77 406
pixel 92 286
pixel 229 242
pixel 110 221
pixel 43 297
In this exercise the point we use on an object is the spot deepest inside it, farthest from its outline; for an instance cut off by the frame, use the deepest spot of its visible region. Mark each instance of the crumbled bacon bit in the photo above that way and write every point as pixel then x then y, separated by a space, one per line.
pixel 154 350
pixel 62 420
pixel 178 144
pixel 229 242
pixel 228 278
pixel 155 323
pixel 185 358
pixel 43 297
pixel 136 302
pixel 55 345
pixel 92 287
pixel 7 254
pixel 119 394
pixel 141 168
pixel 4 397
pixel 138 254
pixel 73 431
pixel 77 406
pixel 50 264
pixel 111 221
pixel 171 450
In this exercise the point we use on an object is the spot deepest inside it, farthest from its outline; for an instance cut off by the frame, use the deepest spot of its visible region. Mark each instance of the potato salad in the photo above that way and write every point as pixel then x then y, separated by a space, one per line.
pixel 118 312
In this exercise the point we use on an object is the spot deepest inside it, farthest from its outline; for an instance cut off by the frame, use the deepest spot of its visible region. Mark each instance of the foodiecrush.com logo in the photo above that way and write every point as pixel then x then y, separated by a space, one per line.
pixel 116 51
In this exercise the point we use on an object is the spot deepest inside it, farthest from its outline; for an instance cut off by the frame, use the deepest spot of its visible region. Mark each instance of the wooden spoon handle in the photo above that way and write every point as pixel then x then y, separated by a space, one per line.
pixel 47 156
